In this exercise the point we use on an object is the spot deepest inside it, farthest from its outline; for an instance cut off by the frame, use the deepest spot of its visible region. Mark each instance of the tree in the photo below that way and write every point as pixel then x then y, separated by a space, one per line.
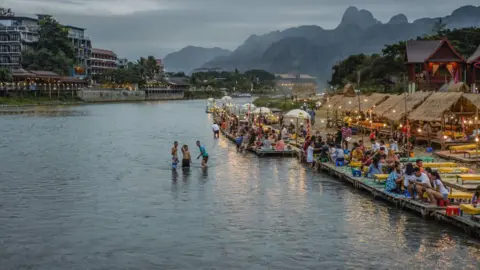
pixel 439 26
pixel 53 51
pixel 5 75
pixel 6 12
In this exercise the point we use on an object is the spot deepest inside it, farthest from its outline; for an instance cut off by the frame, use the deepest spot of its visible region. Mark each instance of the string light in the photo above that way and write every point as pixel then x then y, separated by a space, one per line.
pixel 419 131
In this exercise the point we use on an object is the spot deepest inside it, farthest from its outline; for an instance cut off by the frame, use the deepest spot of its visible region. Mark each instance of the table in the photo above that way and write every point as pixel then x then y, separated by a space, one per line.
pixel 440 164
pixel 424 159
pixel 380 177
pixel 468 177
pixel 452 170
pixel 469 209
pixel 460 195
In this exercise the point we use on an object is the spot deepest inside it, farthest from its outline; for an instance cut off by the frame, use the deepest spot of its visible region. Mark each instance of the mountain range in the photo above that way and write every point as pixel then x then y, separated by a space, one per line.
pixel 313 50
pixel 191 57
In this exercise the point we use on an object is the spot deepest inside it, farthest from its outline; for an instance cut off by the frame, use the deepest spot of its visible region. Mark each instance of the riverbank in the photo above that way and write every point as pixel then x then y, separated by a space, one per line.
pixel 33 101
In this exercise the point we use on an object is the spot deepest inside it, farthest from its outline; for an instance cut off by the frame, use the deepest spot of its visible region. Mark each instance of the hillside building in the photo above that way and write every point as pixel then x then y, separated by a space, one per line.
pixel 298 85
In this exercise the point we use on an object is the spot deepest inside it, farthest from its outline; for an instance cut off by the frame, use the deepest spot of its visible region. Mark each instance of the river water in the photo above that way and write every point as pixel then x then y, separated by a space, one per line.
pixel 90 187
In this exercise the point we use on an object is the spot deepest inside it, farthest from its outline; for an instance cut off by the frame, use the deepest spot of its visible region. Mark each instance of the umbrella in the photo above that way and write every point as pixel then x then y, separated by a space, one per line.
pixel 261 110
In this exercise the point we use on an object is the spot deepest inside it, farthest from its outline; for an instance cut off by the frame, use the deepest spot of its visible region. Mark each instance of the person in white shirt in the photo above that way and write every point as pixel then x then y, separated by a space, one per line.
pixel 440 192
pixel 284 133
pixel 420 184
pixel 376 146
pixel 216 130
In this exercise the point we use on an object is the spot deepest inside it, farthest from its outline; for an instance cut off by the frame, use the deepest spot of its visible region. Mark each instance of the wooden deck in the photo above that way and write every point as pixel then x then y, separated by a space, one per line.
pixel 457 156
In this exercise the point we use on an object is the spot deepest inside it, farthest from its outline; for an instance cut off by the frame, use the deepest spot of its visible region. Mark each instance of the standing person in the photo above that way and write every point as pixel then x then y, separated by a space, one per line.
pixel 203 154
pixel 216 130
pixel 310 150
pixel 187 160
pixel 346 133
pixel 174 155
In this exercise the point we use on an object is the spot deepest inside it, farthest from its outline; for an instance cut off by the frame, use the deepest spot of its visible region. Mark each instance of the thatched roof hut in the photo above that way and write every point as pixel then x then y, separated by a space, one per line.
pixel 396 112
pixel 367 103
pixel 332 101
pixel 347 104
pixel 349 90
pixel 473 98
pixel 433 108
pixel 459 87
pixel 383 107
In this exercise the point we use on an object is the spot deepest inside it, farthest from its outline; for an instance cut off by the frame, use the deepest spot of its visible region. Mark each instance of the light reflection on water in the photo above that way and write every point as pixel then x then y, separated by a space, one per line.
pixel 97 191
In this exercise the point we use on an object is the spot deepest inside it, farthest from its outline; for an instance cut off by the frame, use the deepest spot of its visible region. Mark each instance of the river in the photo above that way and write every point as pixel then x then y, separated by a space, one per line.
pixel 90 187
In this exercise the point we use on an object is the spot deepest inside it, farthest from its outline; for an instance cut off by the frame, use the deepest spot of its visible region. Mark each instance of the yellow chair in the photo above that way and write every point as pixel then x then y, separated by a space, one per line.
pixel 452 170
pixel 440 165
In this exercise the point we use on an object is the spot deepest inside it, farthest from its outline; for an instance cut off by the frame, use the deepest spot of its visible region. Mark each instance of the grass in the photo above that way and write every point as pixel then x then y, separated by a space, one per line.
pixel 29 100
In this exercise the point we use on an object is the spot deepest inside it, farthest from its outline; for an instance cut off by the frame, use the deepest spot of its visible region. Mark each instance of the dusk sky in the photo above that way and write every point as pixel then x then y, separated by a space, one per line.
pixel 155 27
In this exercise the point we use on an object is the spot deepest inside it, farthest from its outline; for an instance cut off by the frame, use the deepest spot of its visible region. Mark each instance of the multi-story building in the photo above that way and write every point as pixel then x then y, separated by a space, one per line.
pixel 83 50
pixel 102 60
pixel 122 63
pixel 161 69
pixel 16 35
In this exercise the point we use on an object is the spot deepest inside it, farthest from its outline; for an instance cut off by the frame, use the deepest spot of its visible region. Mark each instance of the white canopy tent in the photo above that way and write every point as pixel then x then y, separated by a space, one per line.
pixel 296 116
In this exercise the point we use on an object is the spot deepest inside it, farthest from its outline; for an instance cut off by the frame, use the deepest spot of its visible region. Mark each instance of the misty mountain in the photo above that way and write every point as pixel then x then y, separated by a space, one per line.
pixel 314 50
pixel 191 57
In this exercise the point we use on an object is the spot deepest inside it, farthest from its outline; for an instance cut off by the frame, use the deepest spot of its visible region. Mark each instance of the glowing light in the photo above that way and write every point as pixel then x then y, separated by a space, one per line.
pixel 401 125
pixel 365 100
pixel 394 111
pixel 419 131
pixel 476 139
pixel 445 137
pixel 384 125
pixel 349 102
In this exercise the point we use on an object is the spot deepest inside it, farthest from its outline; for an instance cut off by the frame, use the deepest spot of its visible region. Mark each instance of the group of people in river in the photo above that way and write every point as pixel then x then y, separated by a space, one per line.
pixel 186 157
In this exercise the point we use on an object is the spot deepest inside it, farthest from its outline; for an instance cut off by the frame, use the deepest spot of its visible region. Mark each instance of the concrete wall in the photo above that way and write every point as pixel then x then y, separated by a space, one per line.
pixel 125 95
pixel 110 95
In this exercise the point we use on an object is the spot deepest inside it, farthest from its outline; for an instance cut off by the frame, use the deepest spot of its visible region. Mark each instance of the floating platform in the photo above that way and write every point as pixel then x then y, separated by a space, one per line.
pixel 378 191
pixel 457 156
pixel 265 152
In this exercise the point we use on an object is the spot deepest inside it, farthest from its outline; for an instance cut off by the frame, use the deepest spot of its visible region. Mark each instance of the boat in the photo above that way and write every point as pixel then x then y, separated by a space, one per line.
pixel 241 95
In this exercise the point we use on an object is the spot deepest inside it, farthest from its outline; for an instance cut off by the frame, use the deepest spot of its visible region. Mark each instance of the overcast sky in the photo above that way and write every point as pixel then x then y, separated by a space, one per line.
pixel 154 27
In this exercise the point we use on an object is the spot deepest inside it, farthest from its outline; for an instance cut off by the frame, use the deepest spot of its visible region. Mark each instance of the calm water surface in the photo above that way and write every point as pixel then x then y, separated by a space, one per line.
pixel 90 187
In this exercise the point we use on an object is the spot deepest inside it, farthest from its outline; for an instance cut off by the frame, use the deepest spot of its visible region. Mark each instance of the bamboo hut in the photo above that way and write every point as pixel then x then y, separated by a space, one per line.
pixel 459 87
pixel 347 104
pixel 348 90
pixel 368 102
pixel 473 98
pixel 383 107
pixel 433 108
pixel 397 112
pixel 332 101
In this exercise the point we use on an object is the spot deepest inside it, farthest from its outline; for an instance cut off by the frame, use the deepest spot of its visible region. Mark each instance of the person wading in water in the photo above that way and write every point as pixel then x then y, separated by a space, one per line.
pixel 186 157
pixel 203 154
pixel 174 155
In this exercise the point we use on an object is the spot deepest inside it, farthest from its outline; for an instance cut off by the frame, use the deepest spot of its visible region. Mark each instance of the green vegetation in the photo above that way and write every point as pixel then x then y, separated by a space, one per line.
pixel 5 75
pixel 6 12
pixel 375 71
pixel 53 51
pixel 138 72
pixel 259 80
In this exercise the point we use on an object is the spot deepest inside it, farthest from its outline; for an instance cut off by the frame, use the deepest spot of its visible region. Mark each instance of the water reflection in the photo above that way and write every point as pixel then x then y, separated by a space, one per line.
pixel 91 181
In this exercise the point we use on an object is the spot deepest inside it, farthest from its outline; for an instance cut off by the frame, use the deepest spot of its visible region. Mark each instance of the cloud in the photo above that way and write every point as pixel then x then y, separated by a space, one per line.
pixel 139 27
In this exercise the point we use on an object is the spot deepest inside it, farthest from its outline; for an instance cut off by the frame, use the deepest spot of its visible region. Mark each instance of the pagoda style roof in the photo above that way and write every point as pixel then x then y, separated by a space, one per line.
pixel 421 51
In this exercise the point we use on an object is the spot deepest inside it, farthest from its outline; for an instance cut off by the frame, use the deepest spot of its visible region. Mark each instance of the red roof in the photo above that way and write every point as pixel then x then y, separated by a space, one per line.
pixel 102 51
pixel 159 62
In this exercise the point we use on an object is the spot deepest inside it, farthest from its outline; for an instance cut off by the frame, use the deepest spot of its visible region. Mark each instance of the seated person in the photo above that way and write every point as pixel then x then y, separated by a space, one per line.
pixel 375 168
pixel 357 153
pixel 337 154
pixel 266 143
pixel 395 179
pixel 280 146
pixel 420 183
pixel 439 191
